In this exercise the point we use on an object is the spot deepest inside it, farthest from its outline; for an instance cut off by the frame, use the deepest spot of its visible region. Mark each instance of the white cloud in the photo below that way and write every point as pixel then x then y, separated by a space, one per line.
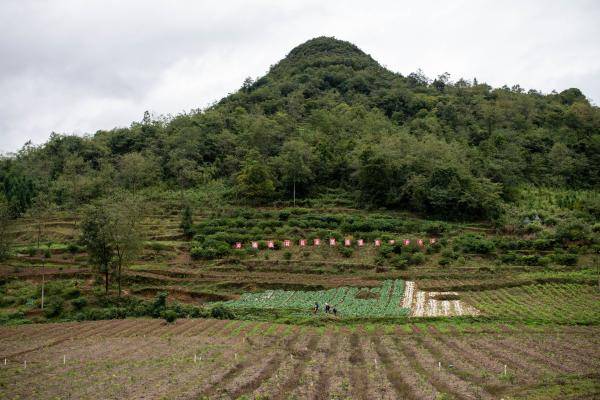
pixel 73 66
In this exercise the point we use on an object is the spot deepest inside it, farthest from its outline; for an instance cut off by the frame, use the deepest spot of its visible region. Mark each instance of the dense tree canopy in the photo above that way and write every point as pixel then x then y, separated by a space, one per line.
pixel 329 116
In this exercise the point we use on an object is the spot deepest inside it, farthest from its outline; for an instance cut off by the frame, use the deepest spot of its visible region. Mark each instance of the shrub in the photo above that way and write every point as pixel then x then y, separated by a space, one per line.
pixel 79 303
pixel 385 250
pixel 54 307
pixel 444 261
pixel 251 251
pixel 287 255
pixel 509 258
pixel 511 244
pixel 221 312
pixel 7 300
pixel 71 293
pixel 379 260
pixel 572 230
pixel 397 247
pixel 47 253
pixel 158 246
pixel 436 228
pixel 543 244
pixel 210 249
pixel 31 251
pixel 532 259
pixel 565 258
pixel 533 227
pixel 399 262
pixel 543 261
pixel 73 248
pixel 417 259
pixel 448 253
pixel 159 305
pixel 346 251
pixel 170 316
pixel 473 243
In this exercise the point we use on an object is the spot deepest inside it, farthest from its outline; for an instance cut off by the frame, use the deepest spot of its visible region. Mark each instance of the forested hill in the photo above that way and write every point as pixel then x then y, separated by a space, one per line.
pixel 329 116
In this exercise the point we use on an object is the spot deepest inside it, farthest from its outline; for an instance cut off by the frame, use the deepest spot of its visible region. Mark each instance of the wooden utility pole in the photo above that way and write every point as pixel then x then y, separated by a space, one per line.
pixel 43 256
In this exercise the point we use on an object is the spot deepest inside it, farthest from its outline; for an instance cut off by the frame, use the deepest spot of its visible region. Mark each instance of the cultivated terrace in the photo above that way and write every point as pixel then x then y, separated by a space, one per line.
pixel 332 230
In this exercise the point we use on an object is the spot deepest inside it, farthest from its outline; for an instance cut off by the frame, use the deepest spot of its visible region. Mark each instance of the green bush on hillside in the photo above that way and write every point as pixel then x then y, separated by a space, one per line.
pixel 220 312
pixel 475 243
pixel 210 249
pixel 572 230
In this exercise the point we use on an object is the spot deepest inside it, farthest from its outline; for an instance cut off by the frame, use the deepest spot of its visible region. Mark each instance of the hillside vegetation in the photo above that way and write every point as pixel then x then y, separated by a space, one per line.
pixel 476 275
pixel 329 116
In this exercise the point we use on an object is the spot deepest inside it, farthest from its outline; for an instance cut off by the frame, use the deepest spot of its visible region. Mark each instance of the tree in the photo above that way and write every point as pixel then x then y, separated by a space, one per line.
pixel 39 212
pixel 562 162
pixel 96 237
pixel 137 171
pixel 6 222
pixel 187 223
pixel 254 182
pixel 295 164
pixel 111 232
pixel 124 232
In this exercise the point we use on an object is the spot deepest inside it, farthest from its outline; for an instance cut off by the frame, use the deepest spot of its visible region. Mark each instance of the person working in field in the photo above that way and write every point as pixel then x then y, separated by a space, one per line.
pixel 316 308
pixel 327 308
pixel 334 311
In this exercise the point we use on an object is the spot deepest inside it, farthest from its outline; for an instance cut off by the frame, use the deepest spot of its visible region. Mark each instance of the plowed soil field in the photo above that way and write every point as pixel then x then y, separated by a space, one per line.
pixel 219 359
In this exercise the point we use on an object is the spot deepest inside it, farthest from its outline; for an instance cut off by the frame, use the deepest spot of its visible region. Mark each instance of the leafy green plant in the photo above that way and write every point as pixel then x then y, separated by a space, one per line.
pixel 210 249
pixel 221 312
pixel 79 303
pixel 346 251
pixel 170 316
pixel 474 243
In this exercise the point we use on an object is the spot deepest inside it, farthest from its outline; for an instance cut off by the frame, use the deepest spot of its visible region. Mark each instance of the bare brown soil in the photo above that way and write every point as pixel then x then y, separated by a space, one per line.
pixel 189 359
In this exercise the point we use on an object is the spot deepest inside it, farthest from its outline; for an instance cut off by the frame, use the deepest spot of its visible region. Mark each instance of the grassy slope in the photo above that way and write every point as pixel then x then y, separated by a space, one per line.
pixel 504 291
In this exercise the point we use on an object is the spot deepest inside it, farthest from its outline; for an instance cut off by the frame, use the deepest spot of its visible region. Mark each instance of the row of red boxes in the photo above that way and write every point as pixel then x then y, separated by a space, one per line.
pixel 333 242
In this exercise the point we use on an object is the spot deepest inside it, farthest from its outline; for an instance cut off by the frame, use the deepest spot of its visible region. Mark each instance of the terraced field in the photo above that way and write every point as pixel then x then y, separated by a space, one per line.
pixel 381 301
pixel 195 359
pixel 477 329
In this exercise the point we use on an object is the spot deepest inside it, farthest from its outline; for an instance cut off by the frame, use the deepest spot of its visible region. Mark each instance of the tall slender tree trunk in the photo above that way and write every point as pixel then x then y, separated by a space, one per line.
pixel 43 281
pixel 39 236
pixel 294 192
pixel 106 280
pixel 119 278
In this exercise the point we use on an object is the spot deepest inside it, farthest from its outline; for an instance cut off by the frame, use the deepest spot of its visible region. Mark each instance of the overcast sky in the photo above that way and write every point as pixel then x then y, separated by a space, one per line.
pixel 82 65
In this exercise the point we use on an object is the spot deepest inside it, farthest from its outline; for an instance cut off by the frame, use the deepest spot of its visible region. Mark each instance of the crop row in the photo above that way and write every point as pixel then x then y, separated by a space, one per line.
pixel 384 300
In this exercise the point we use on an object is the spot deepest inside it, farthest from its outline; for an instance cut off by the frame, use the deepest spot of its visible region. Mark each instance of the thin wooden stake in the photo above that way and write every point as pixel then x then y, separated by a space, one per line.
pixel 194 359
pixel 439 365
pixel 64 359
pixel 504 369
pixel 25 363
pixel 5 361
